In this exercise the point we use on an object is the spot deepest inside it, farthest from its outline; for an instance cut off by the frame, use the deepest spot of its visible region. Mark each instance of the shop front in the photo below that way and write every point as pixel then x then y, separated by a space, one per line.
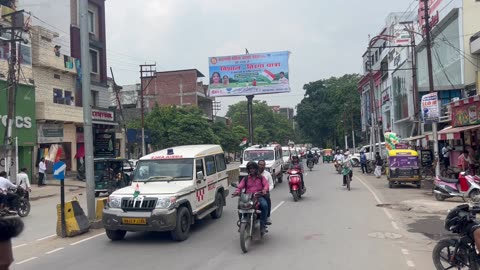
pixel 24 129
pixel 57 142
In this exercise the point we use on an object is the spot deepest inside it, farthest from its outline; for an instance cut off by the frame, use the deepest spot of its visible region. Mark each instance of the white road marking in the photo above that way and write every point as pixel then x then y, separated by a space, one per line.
pixel 55 250
pixel 46 237
pixel 276 207
pixel 405 251
pixel 22 245
pixel 27 260
pixel 410 263
pixel 89 238
pixel 395 226
pixel 388 213
pixel 370 189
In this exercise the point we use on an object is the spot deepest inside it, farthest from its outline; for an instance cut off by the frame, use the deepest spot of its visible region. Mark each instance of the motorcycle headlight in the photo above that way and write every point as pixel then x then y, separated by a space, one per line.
pixel 114 202
pixel 165 203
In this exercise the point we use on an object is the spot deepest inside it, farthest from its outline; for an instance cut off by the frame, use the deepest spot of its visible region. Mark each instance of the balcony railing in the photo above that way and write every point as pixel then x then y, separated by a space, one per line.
pixel 58 112
pixel 49 59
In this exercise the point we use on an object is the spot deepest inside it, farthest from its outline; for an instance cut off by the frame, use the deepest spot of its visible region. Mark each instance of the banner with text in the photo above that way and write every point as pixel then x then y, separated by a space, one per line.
pixel 430 110
pixel 249 74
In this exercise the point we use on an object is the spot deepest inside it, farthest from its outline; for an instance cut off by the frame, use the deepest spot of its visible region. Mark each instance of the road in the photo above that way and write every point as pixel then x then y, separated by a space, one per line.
pixel 329 228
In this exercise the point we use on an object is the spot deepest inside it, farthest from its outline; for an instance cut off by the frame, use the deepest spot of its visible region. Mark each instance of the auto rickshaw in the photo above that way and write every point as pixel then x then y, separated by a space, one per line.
pixel 111 174
pixel 403 167
pixel 327 155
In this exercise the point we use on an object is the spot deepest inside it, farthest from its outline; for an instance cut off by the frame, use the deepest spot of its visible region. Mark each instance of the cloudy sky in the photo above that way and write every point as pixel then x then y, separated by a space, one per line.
pixel 326 38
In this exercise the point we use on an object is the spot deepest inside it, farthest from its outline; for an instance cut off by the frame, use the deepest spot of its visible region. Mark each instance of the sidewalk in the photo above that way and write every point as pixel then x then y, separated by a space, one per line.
pixel 53 188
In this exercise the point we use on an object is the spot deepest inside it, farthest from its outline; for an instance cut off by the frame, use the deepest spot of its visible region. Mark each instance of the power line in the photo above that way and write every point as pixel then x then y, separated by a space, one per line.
pixel 408 9
pixel 451 1
pixel 462 53
pixel 437 56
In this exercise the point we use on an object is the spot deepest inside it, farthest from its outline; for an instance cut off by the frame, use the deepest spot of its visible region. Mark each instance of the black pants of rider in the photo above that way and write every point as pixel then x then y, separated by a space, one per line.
pixel 12 200
pixel 269 202
pixel 303 182
pixel 345 178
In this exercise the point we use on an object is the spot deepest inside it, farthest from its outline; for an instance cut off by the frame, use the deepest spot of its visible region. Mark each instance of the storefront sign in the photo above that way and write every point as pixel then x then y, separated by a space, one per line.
pixel 50 133
pixel 430 111
pixel 103 115
pixel 104 144
pixel 467 114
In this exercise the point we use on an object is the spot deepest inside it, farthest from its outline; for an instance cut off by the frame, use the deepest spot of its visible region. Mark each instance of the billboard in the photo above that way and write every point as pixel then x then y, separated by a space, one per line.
pixel 430 110
pixel 249 74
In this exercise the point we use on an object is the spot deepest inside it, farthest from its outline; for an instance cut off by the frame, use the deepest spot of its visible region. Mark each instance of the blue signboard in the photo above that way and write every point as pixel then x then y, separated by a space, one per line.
pixel 59 170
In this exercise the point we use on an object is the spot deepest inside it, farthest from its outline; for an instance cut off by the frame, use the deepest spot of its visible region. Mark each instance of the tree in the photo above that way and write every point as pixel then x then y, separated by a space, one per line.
pixel 325 114
pixel 268 126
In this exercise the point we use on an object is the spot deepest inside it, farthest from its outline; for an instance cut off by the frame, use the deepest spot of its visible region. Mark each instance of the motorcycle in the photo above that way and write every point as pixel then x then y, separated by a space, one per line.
pixel 457 252
pixel 316 158
pixel 24 204
pixel 338 166
pixel 249 219
pixel 466 186
pixel 310 164
pixel 295 183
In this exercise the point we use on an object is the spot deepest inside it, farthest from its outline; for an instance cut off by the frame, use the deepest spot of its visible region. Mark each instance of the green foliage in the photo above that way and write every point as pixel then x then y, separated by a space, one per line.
pixel 327 110
pixel 268 126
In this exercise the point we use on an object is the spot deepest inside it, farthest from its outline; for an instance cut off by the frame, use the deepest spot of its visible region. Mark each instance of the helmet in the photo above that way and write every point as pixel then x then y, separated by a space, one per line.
pixel 346 153
pixel 295 157
pixel 457 218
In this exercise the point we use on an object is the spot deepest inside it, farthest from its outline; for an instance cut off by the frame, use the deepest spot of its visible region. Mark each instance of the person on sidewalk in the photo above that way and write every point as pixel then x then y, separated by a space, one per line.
pixel 363 162
pixel 42 167
pixel 462 160
pixel 378 165
pixel 268 175
pixel 446 155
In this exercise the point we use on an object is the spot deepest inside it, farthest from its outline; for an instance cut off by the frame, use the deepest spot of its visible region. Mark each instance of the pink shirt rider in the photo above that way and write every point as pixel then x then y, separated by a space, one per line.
pixel 256 184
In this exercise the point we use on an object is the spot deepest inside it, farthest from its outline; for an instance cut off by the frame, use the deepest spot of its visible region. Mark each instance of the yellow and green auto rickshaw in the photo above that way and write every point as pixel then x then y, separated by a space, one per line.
pixel 403 167
pixel 327 155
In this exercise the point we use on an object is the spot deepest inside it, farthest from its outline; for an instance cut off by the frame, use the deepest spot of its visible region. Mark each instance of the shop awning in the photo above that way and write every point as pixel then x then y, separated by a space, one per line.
pixel 105 123
pixel 451 133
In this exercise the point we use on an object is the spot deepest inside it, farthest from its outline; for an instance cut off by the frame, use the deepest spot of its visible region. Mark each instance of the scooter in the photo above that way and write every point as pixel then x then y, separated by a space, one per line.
pixel 466 186
pixel 295 183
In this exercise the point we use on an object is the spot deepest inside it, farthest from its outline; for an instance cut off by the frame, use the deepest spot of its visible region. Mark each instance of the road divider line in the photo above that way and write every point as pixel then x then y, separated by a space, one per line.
pixel 370 189
pixel 88 238
pixel 405 251
pixel 22 245
pixel 27 260
pixel 53 251
pixel 46 237
pixel 395 226
pixel 276 207
pixel 410 264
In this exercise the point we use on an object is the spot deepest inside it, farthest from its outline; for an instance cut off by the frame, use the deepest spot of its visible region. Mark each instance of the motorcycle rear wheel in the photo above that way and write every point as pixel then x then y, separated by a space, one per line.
pixel 296 194
pixel 24 208
pixel 245 237
pixel 463 259
pixel 348 182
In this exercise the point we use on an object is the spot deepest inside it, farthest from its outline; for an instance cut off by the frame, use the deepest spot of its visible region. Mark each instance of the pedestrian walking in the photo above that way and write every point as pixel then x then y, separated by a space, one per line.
pixel 378 165
pixel 42 167
pixel 363 162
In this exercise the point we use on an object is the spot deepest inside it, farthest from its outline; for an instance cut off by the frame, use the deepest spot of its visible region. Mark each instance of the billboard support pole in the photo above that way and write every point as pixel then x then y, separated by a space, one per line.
pixel 250 117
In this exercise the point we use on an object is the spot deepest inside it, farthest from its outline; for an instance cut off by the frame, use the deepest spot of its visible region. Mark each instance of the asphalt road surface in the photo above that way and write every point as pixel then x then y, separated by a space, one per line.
pixel 329 228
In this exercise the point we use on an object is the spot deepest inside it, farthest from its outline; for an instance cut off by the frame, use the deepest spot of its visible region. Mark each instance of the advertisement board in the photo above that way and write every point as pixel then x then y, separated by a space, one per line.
pixel 249 74
pixel 430 110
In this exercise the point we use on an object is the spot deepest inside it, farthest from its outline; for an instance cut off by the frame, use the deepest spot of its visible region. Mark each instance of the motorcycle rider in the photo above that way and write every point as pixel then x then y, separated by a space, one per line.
pixel 268 175
pixel 310 157
pixel 12 199
pixel 348 164
pixel 296 163
pixel 254 183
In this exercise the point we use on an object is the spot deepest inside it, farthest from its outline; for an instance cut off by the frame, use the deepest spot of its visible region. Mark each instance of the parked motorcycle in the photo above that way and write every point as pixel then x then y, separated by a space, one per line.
pixel 466 186
pixel 295 183
pixel 310 164
pixel 24 204
pixel 249 219
pixel 457 252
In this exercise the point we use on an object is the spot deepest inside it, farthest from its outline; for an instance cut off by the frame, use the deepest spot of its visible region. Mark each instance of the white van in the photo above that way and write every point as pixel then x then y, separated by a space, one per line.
pixel 272 154
pixel 370 155
pixel 171 189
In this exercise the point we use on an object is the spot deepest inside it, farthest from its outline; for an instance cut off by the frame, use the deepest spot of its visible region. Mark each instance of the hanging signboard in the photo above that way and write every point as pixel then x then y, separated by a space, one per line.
pixel 430 111
pixel 249 74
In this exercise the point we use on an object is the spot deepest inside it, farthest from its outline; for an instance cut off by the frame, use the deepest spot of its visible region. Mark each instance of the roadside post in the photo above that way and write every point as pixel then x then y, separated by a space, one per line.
pixel 59 174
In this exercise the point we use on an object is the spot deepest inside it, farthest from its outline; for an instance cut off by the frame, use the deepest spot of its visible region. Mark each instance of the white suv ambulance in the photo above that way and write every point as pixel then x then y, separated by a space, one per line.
pixel 272 154
pixel 171 189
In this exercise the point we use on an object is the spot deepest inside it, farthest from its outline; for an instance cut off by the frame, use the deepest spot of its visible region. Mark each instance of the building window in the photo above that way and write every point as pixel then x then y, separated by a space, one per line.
pixel 91 22
pixel 69 98
pixel 58 96
pixel 94 98
pixel 56 76
pixel 95 61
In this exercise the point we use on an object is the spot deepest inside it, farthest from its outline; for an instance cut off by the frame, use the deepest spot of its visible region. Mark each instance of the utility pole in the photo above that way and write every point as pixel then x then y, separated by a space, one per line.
pixel 87 107
pixel 12 81
pixel 250 113
pixel 353 134
pixel 372 101
pixel 430 80
pixel 116 89
pixel 147 71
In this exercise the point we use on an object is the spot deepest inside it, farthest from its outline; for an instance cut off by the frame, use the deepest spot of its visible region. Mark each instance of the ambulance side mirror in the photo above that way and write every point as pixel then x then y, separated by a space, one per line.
pixel 200 177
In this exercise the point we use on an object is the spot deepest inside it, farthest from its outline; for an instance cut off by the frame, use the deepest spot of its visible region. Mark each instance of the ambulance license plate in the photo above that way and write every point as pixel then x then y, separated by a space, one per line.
pixel 134 221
